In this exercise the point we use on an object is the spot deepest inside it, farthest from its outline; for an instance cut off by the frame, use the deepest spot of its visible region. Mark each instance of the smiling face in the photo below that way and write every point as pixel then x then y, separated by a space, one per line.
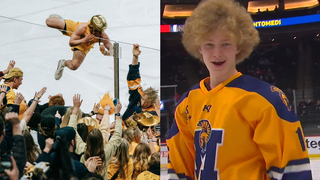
pixel 219 52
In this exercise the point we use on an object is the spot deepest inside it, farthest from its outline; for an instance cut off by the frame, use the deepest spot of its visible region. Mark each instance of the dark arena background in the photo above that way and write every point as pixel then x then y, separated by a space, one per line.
pixel 288 57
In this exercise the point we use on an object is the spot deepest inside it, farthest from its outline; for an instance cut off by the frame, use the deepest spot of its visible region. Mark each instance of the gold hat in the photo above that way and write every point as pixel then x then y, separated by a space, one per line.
pixel 147 119
pixel 90 122
pixel 13 72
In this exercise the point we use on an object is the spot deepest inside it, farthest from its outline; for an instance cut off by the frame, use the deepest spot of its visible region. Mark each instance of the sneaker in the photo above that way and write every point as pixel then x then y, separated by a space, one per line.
pixel 56 16
pixel 59 70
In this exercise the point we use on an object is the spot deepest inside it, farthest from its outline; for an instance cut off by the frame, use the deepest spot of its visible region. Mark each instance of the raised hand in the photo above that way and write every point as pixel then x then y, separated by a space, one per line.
pixel 12 118
pixel 49 144
pixel 107 107
pixel 95 108
pixel 57 115
pixel 11 65
pixel 136 51
pixel 39 94
pixel 3 88
pixel 76 101
pixel 19 98
pixel 117 108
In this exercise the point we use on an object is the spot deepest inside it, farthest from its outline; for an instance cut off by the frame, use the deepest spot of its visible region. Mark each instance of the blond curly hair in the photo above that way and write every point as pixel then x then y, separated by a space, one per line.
pixel 226 15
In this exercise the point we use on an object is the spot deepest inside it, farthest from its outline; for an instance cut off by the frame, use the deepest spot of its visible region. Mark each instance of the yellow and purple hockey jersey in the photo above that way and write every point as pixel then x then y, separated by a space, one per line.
pixel 243 129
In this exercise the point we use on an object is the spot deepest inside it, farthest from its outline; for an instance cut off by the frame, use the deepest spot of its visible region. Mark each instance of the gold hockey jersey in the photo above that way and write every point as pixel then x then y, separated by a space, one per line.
pixel 243 129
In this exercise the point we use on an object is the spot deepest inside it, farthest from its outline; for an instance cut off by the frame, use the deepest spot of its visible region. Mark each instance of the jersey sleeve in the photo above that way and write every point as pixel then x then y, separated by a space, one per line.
pixel 279 135
pixel 180 143
pixel 133 77
pixel 135 91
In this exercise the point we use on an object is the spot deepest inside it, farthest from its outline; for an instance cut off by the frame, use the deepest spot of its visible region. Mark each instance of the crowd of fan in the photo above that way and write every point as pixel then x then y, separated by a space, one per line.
pixel 308 107
pixel 276 65
pixel 56 141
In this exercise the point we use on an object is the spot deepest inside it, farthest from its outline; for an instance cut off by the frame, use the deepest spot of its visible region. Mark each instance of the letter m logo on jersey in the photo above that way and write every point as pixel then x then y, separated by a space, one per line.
pixel 207 141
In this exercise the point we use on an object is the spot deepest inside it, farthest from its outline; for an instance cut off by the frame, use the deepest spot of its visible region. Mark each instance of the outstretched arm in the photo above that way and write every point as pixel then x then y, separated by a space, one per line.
pixel 105 124
pixel 28 114
pixel 11 65
pixel 106 45
pixel 115 140
pixel 80 145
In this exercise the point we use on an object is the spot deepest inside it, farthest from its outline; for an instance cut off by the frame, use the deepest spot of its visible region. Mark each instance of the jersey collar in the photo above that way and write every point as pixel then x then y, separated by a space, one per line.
pixel 219 87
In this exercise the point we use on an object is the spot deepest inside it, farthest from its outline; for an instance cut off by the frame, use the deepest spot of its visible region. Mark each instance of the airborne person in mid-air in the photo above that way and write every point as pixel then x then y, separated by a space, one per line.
pixel 83 35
